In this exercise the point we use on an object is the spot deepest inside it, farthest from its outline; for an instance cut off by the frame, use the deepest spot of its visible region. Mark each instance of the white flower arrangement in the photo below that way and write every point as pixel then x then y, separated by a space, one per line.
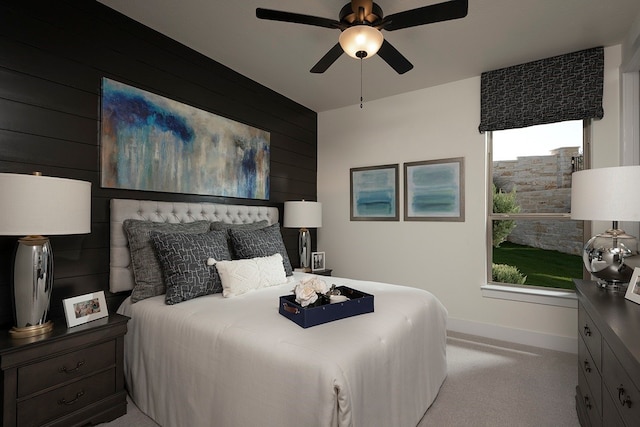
pixel 307 290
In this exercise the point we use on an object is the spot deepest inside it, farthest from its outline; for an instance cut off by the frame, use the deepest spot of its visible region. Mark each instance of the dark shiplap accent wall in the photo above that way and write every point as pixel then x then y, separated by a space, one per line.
pixel 53 55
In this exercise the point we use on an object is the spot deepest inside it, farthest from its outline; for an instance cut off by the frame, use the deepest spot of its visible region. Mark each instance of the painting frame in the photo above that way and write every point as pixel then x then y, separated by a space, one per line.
pixel 374 190
pixel 434 190
pixel 318 261
pixel 633 290
pixel 85 308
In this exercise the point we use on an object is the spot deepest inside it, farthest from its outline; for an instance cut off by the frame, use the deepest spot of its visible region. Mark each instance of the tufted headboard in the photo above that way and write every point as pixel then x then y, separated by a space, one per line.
pixel 120 273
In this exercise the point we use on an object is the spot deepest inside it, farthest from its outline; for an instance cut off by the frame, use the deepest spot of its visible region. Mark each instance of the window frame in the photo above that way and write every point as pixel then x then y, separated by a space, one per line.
pixel 502 290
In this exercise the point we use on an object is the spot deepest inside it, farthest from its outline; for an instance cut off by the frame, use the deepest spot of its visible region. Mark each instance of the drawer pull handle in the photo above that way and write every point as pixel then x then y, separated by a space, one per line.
pixel 587 402
pixel 624 400
pixel 70 371
pixel 72 401
pixel 587 368
pixel 587 330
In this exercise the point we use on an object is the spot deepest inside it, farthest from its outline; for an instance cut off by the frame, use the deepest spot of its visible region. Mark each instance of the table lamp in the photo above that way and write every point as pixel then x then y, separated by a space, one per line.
pixel 303 215
pixel 32 206
pixel 608 194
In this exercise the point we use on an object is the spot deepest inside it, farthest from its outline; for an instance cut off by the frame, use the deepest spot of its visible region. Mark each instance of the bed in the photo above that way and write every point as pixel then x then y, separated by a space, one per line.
pixel 216 361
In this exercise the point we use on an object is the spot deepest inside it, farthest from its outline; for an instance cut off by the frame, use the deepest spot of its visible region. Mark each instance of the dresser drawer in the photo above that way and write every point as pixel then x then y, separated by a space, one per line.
pixel 588 368
pixel 58 370
pixel 63 400
pixel 588 402
pixel 625 395
pixel 591 336
pixel 610 412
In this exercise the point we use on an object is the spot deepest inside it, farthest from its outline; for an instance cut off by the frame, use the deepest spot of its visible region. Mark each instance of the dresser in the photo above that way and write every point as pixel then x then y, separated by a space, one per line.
pixel 608 391
pixel 69 377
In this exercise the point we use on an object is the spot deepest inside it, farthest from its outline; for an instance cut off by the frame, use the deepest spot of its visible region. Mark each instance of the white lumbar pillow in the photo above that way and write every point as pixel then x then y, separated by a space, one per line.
pixel 243 275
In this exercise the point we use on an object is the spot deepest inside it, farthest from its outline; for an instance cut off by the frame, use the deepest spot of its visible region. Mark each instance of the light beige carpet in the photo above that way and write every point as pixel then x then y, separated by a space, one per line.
pixel 489 384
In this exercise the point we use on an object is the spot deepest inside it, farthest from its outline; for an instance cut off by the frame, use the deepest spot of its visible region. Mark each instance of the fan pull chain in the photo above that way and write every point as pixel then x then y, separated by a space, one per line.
pixel 361 83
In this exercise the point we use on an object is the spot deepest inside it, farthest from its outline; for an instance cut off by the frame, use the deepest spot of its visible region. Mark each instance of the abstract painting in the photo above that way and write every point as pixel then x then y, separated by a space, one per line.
pixel 152 143
pixel 374 193
pixel 434 190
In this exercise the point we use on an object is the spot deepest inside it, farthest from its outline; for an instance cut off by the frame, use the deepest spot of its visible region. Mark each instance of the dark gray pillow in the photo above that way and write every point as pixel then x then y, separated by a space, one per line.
pixel 219 225
pixel 184 260
pixel 146 268
pixel 258 243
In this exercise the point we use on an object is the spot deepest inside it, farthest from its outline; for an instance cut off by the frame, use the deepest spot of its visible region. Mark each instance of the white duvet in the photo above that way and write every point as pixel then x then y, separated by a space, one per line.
pixel 236 362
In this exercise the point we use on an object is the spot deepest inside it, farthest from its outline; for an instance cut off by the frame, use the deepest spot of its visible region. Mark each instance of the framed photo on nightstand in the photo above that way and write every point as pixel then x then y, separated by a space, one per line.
pixel 85 308
pixel 633 291
pixel 317 261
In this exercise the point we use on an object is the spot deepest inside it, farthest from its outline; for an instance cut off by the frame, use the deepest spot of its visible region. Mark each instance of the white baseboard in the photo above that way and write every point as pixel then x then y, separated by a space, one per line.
pixel 519 336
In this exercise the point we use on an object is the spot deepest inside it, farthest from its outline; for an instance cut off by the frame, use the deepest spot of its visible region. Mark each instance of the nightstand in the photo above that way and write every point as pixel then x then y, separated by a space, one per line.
pixel 325 272
pixel 71 376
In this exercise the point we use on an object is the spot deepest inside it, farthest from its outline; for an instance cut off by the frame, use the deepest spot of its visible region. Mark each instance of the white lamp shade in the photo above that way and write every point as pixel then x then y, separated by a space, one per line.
pixel 361 38
pixel 302 214
pixel 43 205
pixel 606 194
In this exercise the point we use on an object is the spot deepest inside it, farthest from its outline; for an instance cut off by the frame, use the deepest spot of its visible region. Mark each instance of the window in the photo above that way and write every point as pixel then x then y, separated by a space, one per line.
pixel 531 239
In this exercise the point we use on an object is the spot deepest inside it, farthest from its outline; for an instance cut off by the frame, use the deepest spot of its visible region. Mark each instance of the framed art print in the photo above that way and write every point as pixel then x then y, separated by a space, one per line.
pixel 434 190
pixel 374 193
pixel 633 290
pixel 85 308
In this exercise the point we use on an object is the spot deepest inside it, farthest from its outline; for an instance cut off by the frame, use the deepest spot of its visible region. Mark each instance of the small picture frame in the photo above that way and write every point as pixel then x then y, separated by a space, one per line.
pixel 633 290
pixel 317 261
pixel 85 308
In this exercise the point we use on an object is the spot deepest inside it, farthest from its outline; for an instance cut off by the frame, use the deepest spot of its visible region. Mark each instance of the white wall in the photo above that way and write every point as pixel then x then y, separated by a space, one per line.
pixel 445 258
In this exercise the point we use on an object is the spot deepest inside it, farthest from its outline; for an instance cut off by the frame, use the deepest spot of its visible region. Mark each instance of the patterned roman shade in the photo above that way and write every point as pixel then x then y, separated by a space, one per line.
pixel 565 87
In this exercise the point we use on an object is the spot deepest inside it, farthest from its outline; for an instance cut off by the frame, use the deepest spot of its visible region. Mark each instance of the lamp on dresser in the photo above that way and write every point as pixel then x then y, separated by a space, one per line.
pixel 608 194
pixel 33 206
pixel 303 215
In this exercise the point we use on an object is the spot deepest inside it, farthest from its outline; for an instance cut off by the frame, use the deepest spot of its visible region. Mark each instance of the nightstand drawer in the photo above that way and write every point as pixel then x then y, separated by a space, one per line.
pixel 61 401
pixel 591 336
pixel 624 394
pixel 591 374
pixel 66 367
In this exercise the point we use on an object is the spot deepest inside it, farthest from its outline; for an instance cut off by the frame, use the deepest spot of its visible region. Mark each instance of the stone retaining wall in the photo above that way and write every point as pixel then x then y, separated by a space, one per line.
pixel 543 184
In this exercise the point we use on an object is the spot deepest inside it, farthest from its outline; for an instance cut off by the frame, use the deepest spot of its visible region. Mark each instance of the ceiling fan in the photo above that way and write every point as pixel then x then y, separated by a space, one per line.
pixel 361 22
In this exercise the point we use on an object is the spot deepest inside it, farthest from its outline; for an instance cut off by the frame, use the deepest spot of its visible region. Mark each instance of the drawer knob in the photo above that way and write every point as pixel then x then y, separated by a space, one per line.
pixel 72 370
pixel 587 330
pixel 623 397
pixel 587 402
pixel 64 401
pixel 587 368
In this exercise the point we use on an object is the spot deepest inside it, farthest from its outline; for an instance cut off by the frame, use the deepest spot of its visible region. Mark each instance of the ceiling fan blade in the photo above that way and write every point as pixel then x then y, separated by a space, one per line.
pixel 328 59
pixel 297 18
pixel 394 58
pixel 446 11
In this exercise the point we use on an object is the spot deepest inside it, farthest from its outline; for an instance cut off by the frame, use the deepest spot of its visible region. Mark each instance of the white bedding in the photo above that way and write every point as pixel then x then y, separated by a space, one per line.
pixel 216 361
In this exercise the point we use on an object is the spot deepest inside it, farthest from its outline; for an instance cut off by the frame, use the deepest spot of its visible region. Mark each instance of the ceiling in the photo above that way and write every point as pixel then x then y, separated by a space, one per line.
pixel 279 55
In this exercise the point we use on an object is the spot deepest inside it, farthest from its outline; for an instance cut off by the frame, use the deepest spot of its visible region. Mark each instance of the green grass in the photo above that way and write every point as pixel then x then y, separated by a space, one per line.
pixel 546 268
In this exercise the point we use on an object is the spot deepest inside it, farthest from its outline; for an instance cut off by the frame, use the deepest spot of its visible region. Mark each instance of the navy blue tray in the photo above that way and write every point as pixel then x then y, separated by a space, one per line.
pixel 359 303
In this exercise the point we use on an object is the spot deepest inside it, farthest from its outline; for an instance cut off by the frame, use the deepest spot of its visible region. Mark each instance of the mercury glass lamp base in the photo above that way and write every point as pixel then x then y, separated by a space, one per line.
pixel 304 249
pixel 32 286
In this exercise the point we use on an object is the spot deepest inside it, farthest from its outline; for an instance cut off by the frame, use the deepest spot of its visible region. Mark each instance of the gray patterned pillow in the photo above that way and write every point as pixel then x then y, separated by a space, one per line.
pixel 266 241
pixel 146 268
pixel 218 225
pixel 188 273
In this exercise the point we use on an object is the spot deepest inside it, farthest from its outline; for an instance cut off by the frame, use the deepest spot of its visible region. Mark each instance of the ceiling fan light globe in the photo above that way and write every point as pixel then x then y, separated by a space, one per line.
pixel 359 38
